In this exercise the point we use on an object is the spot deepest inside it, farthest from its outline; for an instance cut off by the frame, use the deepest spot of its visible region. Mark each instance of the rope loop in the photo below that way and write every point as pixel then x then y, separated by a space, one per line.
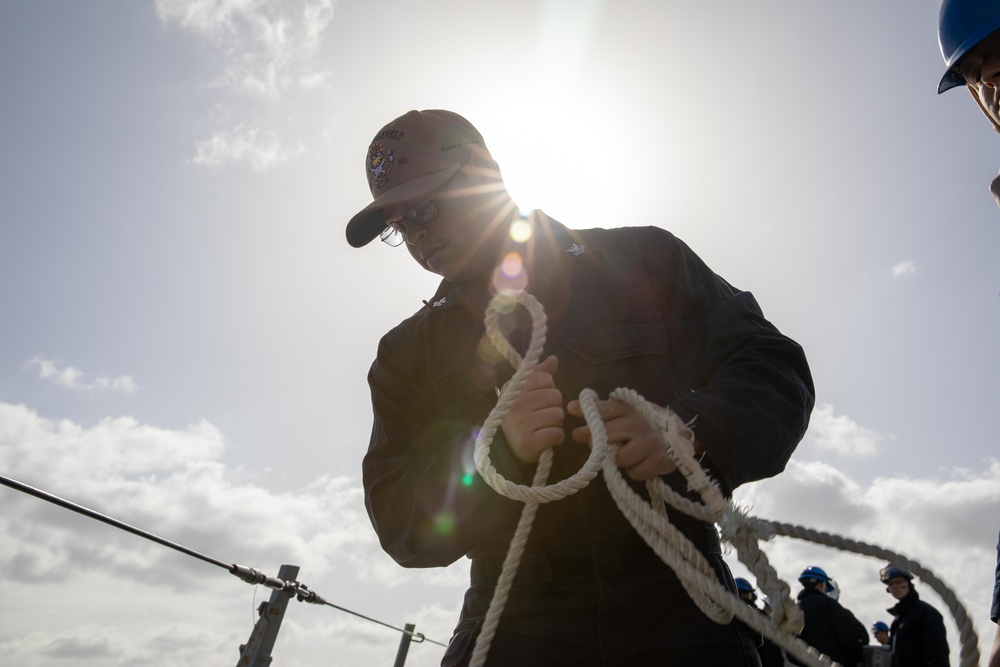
pixel 649 518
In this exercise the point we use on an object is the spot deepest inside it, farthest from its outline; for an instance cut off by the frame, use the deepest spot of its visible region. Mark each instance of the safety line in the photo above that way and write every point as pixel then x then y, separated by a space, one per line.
pixel 247 574
pixel 418 637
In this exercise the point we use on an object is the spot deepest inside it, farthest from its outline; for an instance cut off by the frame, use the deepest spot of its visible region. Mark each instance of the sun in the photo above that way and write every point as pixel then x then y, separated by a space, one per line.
pixel 572 165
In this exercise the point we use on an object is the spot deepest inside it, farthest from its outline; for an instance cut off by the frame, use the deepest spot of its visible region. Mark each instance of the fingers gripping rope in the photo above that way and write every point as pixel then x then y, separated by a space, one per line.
pixel 650 519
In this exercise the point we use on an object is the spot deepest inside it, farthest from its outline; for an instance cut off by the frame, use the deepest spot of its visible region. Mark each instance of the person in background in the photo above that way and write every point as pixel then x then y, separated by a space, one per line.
pixel 969 37
pixel 626 307
pixel 995 612
pixel 770 653
pixel 829 627
pixel 917 635
pixel 833 589
pixel 881 633
pixel 746 592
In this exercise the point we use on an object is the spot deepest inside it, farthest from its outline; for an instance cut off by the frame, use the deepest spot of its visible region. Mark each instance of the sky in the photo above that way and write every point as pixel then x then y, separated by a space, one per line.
pixel 186 333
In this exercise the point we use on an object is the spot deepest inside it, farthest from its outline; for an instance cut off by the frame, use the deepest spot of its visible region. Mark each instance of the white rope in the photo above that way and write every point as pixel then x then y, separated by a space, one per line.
pixel 650 519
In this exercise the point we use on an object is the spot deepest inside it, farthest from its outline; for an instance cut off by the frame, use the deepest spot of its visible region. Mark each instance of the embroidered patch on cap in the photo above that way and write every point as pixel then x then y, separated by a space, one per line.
pixel 380 163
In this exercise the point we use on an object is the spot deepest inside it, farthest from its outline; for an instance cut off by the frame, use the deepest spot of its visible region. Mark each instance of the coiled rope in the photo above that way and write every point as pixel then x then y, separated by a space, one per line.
pixel 650 519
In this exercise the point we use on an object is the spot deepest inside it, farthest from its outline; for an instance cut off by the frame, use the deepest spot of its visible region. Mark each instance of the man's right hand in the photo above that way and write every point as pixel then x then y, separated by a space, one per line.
pixel 534 422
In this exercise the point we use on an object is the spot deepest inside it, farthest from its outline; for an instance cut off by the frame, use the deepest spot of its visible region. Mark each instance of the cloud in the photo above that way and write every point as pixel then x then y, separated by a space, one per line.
pixel 169 482
pixel 838 434
pixel 94 644
pixel 268 51
pixel 72 378
pixel 262 150
pixel 946 524
pixel 175 483
pixel 905 268
pixel 267 46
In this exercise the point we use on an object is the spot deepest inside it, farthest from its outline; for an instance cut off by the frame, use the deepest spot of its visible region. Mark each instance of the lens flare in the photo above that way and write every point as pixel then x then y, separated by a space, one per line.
pixel 488 353
pixel 444 523
pixel 512 265
pixel 504 303
pixel 510 275
pixel 520 231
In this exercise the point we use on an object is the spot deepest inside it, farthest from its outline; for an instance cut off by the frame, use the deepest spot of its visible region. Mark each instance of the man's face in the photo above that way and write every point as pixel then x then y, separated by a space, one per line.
pixel 981 69
pixel 463 242
pixel 898 587
pixel 882 637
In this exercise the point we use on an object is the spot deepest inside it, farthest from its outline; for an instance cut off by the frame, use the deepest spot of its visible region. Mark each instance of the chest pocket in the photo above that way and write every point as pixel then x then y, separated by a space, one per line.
pixel 618 337
pixel 459 388
pixel 454 372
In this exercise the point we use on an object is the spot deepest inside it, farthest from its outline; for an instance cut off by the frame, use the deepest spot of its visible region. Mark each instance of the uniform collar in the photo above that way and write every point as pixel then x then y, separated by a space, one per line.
pixel 551 244
pixel 908 601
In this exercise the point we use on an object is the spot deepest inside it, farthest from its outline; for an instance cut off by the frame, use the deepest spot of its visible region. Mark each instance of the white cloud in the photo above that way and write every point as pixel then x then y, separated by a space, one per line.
pixel 314 80
pixel 122 383
pixel 175 483
pixel 948 525
pixel 171 480
pixel 95 644
pixel 268 46
pixel 840 435
pixel 268 51
pixel 262 150
pixel 70 377
pixel 904 268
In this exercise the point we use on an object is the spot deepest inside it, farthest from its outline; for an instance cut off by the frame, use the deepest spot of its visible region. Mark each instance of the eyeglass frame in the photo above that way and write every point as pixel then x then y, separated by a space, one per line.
pixel 419 215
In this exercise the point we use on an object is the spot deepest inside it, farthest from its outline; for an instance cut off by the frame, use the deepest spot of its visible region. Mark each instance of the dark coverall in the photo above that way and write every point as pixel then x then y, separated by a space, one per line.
pixel 917 635
pixel 631 307
pixel 831 629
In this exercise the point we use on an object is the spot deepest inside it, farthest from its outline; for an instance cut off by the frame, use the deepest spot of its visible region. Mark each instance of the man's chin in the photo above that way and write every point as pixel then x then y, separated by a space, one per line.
pixel 995 189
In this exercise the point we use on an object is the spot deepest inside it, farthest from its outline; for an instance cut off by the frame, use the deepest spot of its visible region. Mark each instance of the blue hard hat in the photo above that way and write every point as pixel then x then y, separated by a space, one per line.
pixel 744 585
pixel 890 571
pixel 880 627
pixel 961 25
pixel 815 573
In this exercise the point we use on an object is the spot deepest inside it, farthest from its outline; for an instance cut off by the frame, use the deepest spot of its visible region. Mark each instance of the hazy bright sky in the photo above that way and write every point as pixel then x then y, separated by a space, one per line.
pixel 186 333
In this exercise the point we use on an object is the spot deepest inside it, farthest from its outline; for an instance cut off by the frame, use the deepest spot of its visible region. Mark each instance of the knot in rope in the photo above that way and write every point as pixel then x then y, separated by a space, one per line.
pixel 649 518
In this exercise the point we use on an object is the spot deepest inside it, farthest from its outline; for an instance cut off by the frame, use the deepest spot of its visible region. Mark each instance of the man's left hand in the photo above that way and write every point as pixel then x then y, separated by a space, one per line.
pixel 642 454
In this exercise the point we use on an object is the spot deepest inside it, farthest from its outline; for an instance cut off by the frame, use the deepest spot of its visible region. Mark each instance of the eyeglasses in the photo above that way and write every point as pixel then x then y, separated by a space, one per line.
pixel 419 215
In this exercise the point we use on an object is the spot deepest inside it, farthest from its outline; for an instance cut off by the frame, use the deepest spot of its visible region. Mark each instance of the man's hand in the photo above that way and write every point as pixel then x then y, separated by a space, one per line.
pixel 642 454
pixel 534 422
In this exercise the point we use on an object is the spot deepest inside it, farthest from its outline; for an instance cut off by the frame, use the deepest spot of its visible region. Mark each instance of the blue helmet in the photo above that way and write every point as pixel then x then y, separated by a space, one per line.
pixel 890 571
pixel 961 25
pixel 813 573
pixel 880 627
pixel 744 585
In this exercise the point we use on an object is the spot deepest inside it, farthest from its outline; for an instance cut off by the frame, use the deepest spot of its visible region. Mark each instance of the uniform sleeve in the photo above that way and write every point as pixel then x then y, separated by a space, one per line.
pixel 751 388
pixel 425 501
pixel 934 639
pixel 851 633
pixel 995 609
